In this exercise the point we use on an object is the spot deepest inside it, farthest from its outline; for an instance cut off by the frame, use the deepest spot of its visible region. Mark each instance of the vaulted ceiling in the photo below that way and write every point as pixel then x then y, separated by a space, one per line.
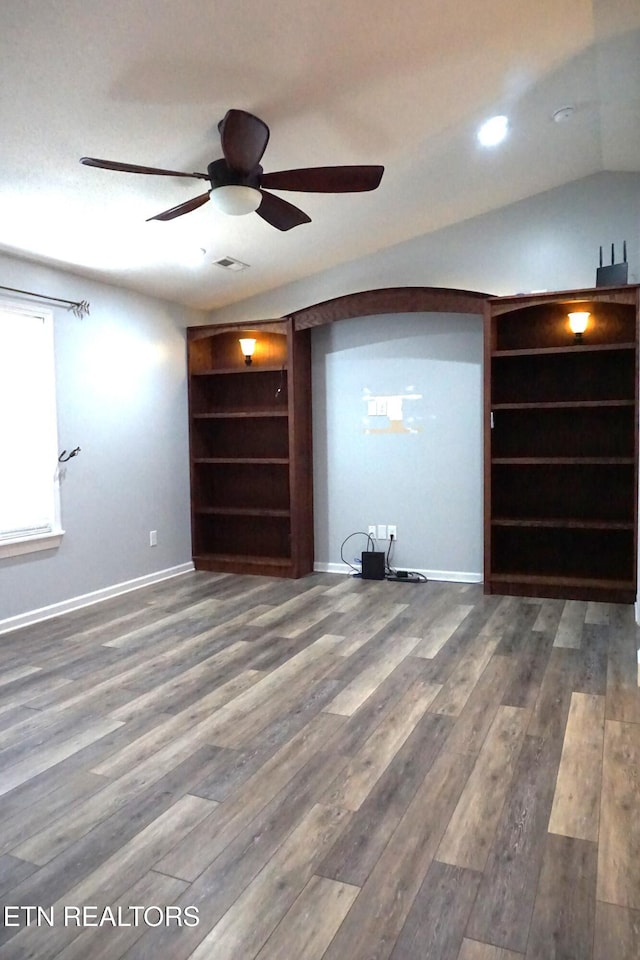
pixel 343 82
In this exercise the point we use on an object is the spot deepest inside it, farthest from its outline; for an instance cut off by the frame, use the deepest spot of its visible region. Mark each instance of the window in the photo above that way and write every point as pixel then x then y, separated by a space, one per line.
pixel 29 487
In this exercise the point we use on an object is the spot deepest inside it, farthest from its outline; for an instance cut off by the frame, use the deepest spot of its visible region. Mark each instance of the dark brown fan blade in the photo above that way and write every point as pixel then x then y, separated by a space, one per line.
pixel 324 179
pixel 185 207
pixel 134 168
pixel 244 139
pixel 280 213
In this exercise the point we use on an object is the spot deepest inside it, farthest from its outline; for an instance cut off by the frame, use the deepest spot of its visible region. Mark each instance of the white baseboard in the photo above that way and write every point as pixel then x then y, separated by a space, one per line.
pixel 448 576
pixel 96 596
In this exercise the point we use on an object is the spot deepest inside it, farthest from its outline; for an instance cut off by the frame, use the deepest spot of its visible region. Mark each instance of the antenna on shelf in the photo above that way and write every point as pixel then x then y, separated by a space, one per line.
pixel 615 274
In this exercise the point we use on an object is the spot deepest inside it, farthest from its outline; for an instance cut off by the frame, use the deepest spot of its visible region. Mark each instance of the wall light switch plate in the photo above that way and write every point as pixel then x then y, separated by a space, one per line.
pixel 382 531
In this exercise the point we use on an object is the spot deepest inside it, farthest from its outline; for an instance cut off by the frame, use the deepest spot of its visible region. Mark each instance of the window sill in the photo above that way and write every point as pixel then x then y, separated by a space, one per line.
pixel 44 541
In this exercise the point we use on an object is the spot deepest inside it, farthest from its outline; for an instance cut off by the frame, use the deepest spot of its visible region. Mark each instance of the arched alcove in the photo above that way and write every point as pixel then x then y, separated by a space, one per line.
pixel 416 351
pixel 389 300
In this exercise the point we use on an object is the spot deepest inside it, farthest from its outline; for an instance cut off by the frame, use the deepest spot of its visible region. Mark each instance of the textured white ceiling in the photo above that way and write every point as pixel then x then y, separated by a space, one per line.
pixel 362 81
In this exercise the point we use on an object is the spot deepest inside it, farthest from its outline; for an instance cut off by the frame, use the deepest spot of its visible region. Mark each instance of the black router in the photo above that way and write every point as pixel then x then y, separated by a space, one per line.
pixel 373 565
pixel 616 273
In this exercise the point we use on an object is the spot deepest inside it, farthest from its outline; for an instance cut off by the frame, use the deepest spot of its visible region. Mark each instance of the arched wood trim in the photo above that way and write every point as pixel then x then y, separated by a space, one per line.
pixel 390 300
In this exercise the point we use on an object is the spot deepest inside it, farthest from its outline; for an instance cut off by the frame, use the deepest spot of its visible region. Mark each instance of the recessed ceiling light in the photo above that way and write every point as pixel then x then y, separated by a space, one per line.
pixel 493 131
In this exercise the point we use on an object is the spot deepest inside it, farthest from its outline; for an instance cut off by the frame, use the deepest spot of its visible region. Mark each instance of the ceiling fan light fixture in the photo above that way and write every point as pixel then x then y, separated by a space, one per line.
pixel 236 200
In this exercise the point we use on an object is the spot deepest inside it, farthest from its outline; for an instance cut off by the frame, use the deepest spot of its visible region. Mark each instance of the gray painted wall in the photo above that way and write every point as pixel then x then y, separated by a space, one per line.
pixel 121 380
pixel 549 241
pixel 422 473
pixel 122 389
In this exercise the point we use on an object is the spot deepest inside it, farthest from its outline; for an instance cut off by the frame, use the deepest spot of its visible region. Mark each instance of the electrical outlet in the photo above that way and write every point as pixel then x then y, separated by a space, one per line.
pixel 382 531
pixel 392 531
pixel 153 538
pixel 372 530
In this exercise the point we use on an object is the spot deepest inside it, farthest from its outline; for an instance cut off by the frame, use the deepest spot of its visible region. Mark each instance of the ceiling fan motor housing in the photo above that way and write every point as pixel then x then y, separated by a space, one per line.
pixel 221 175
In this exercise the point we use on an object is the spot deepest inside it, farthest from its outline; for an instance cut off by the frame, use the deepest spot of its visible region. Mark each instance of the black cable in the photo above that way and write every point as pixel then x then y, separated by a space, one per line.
pixel 387 564
pixel 408 576
pixel 370 547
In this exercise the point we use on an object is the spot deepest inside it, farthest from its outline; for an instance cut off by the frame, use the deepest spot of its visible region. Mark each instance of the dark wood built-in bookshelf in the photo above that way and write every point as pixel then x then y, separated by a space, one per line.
pixel 561 446
pixel 250 440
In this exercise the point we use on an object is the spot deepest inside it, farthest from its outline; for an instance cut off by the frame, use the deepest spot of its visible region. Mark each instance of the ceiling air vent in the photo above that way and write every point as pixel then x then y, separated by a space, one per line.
pixel 230 264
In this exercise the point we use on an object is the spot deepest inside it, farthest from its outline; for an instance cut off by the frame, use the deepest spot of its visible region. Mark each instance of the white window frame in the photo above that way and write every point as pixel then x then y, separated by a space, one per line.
pixel 51 537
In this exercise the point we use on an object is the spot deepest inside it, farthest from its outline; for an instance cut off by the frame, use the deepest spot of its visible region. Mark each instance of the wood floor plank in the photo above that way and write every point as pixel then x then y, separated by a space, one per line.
pixel 472 725
pixel 355 693
pixel 46 758
pixel 474 950
pixel 361 844
pixel 12 871
pixel 368 765
pixel 466 635
pixel 569 632
pixel 282 689
pixel 435 924
pixel 468 837
pixel 59 833
pixel 352 734
pixel 220 884
pixel 79 859
pixel 246 926
pixel 162 695
pixel 361 623
pixel 619 847
pixel 220 687
pixel 311 922
pixel 377 916
pixel 563 918
pixel 439 632
pixel 617 933
pixel 590 675
pixel 10 676
pixel 188 724
pixel 199 850
pixel 506 896
pixel 67 776
pixel 112 878
pixel 515 632
pixel 597 612
pixel 234 766
pixel 286 612
pixel 459 686
pixel 551 709
pixel 111 943
pixel 529 669
pixel 549 616
pixel 623 694
pixel 576 803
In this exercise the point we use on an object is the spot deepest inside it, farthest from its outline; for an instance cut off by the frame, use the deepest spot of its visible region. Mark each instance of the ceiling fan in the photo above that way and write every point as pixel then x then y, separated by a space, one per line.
pixel 238 182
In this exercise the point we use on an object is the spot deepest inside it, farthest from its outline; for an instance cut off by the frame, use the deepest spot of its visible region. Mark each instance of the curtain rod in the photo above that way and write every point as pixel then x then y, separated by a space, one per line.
pixel 79 308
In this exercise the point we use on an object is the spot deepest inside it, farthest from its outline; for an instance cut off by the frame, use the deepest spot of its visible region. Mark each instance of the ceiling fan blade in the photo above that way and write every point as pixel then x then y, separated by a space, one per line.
pixel 244 139
pixel 280 213
pixel 134 168
pixel 181 208
pixel 324 179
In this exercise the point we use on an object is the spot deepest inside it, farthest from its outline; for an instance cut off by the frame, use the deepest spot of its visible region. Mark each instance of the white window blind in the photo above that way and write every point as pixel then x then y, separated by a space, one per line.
pixel 29 501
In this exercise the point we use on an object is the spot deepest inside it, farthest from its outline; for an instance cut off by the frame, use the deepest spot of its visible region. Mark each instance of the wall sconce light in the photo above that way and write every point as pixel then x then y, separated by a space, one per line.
pixel 578 323
pixel 247 345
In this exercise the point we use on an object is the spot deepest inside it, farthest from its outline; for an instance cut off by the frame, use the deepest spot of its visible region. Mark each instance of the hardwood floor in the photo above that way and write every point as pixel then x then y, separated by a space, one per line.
pixel 321 769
